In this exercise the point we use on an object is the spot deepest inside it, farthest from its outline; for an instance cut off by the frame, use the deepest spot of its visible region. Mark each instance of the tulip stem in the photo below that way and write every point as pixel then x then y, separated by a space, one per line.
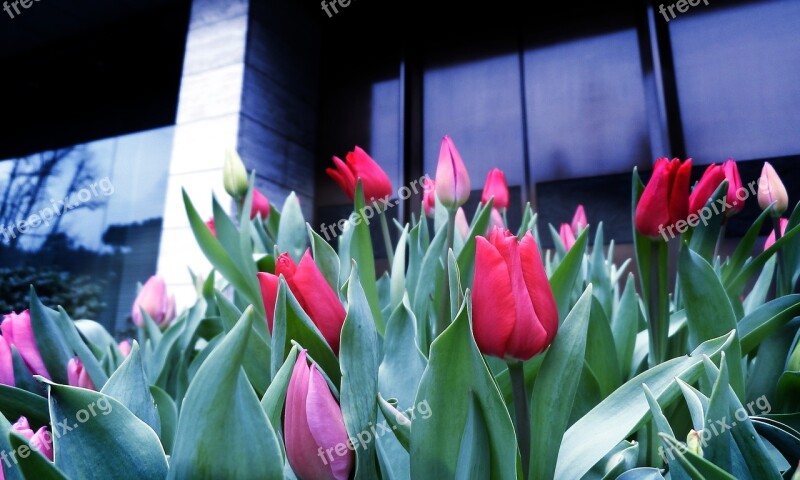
pixel 658 302
pixel 720 238
pixel 445 315
pixel 387 238
pixel 779 281
pixel 522 415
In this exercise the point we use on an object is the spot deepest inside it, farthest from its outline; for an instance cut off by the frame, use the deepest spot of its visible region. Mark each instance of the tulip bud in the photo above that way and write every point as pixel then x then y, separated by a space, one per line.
pixel 734 186
pixel 566 235
pixel 77 375
pixel 6 364
pixel 315 435
pixel 234 175
pixel 125 348
pixel 212 226
pixel 260 205
pixel 771 190
pixel 359 165
pixel 693 443
pixel 155 301
pixel 708 184
pixel 496 187
pixel 17 331
pixel 462 225
pixel 496 220
pixel 429 197
pixel 312 292
pixel 784 222
pixel 665 199
pixel 452 179
pixel 41 440
pixel 514 313
pixel 579 221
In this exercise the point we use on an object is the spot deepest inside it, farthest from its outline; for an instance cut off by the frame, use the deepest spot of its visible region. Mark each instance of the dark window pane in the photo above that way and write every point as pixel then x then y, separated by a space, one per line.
pixel 738 74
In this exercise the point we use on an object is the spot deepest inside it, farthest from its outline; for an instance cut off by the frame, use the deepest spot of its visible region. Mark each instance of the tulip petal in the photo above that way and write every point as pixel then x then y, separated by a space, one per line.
pixel 6 363
pixel 708 184
pixel 319 300
pixel 579 221
pixel 18 331
pixel 452 179
pixel 679 190
pixel 343 177
pixel 652 212
pixel 269 295
pixel 43 441
pixel 326 423
pixel 493 309
pixel 544 302
pixel 373 178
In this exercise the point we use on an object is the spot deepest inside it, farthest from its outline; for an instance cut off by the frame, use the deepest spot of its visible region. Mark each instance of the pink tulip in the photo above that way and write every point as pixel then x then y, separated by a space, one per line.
pixel 78 376
pixel 771 190
pixel 125 348
pixel 452 179
pixel 18 332
pixel 260 205
pixel 567 236
pixel 6 364
pixel 212 226
pixel 462 225
pixel 784 222
pixel 41 440
pixel 496 220
pixel 315 434
pixel 496 187
pixel 429 196
pixel 579 221
pixel 155 301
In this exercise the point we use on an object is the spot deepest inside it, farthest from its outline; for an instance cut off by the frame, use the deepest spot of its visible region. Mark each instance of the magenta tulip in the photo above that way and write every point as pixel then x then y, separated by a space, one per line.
pixel 579 221
pixel 41 440
pixel 6 363
pixel 452 179
pixel 78 376
pixel 260 206
pixel 211 226
pixel 567 236
pixel 665 199
pixel 496 187
pixel 155 301
pixel 734 186
pixel 784 222
pixel 514 314
pixel 708 184
pixel 429 196
pixel 315 435
pixel 17 331
pixel 125 348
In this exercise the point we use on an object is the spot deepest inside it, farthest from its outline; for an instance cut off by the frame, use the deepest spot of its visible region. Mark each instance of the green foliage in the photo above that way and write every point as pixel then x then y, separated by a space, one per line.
pixel 79 295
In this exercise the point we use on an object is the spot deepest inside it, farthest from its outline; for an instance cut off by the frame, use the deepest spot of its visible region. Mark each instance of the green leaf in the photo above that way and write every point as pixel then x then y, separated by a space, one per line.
pixel 473 456
pixel 708 310
pixel 399 423
pixel 766 320
pixel 758 294
pixel 76 343
pixel 625 410
pixel 456 371
pixel 15 403
pixel 558 378
pixel 293 324
pixel 401 369
pixel 361 251
pixel 744 248
pixel 32 464
pixel 598 273
pixel 221 413
pixel 740 278
pixel 625 325
pixel 563 279
pixel 662 425
pixel 705 234
pixel 97 437
pixel 5 446
pixel 275 397
pixel 326 259
pixel 466 257
pixel 697 467
pixel 130 387
pixel 358 357
pixel 50 341
pixel 397 286
pixel 599 350
pixel 167 415
pixel 292 229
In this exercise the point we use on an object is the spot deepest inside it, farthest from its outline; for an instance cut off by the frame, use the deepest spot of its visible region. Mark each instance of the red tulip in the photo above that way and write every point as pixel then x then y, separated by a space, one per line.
pixel 429 196
pixel 41 440
pixel 771 190
pixel 579 221
pixel 708 184
pixel 665 199
pixel 784 222
pixel 514 313
pixel 359 165
pixel 452 179
pixel 315 435
pixel 155 301
pixel 496 187
pixel 6 363
pixel 78 376
pixel 18 332
pixel 260 205
pixel 212 226
pixel 734 186
pixel 567 236
pixel 312 291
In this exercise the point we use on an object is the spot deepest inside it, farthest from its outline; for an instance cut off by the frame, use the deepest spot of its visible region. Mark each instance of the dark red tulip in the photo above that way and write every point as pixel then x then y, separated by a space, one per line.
pixel 514 313
pixel 665 199
pixel 359 165
pixel 708 184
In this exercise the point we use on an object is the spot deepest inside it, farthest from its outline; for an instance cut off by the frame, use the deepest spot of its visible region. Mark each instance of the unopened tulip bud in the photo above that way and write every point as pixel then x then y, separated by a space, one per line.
pixel 17 331
pixel 771 190
pixel 694 443
pixel 6 363
pixel 155 301
pixel 452 179
pixel 41 440
pixel 496 188
pixel 234 175
pixel 579 221
pixel 78 376
pixel 567 236
pixel 462 225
